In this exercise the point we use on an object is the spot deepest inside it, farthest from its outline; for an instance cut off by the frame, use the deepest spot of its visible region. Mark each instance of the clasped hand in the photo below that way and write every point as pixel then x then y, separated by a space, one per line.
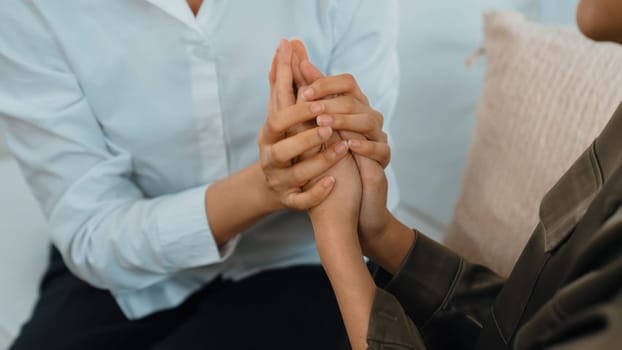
pixel 305 142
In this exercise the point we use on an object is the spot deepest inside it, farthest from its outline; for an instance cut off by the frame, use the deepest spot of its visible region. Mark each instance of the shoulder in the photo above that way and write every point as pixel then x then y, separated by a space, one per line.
pixel 24 34
pixel 373 13
pixel 19 17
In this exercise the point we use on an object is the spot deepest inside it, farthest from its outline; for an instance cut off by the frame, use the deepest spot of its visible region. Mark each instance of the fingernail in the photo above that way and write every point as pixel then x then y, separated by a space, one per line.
pixel 317 108
pixel 341 148
pixel 355 143
pixel 324 120
pixel 308 94
pixel 328 182
pixel 282 43
pixel 325 132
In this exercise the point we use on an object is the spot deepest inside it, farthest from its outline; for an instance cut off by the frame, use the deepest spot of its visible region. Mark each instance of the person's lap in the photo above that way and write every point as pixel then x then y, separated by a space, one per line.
pixel 279 309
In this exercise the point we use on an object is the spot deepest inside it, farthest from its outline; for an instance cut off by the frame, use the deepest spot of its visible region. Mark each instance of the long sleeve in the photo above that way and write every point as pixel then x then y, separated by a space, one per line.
pixel 586 312
pixel 121 114
pixel 437 300
pixel 440 294
pixel 365 45
pixel 109 233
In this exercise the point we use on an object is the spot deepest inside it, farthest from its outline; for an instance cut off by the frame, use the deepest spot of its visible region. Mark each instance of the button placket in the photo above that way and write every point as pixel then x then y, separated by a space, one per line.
pixel 207 109
pixel 202 51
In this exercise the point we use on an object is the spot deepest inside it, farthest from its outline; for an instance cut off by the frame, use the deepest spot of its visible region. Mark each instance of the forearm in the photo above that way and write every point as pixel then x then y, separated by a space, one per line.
pixel 342 258
pixel 335 224
pixel 351 281
pixel 237 202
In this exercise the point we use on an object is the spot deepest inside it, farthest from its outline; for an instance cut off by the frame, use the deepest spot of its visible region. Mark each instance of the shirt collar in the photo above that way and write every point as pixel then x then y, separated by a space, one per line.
pixel 178 9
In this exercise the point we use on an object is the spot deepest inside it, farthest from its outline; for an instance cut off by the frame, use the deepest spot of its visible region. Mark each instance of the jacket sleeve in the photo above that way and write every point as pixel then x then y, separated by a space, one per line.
pixel 435 293
pixel 587 312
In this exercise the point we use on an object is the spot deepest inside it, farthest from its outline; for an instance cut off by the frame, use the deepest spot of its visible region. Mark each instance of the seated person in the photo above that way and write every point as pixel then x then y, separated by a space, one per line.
pixel 135 125
pixel 565 291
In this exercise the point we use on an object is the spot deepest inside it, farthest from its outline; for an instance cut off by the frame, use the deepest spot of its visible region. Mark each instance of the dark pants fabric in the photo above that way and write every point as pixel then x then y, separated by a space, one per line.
pixel 291 308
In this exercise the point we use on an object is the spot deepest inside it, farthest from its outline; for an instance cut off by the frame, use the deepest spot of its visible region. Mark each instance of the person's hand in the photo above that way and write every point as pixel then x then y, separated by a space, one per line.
pixel 340 210
pixel 283 178
pixel 347 109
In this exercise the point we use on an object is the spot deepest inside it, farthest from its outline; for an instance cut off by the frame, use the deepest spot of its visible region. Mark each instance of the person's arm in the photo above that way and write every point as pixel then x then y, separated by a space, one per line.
pixel 109 233
pixel 344 264
pixel 334 219
pixel 271 184
pixel 439 293
pixel 586 313
pixel 346 109
pixel 392 245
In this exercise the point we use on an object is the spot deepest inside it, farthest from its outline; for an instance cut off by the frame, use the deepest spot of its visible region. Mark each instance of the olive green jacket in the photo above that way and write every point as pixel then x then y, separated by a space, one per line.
pixel 565 291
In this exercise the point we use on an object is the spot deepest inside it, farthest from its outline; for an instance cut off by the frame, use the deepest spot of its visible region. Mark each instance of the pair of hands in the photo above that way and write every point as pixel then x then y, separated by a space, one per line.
pixel 330 112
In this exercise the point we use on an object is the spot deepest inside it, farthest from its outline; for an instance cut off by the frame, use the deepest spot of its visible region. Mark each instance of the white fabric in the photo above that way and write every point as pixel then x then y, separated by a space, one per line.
pixel 3 151
pixel 121 113
pixel 24 249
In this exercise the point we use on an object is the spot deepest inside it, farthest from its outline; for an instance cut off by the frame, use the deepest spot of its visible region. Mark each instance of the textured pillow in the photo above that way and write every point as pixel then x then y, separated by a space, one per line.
pixel 548 92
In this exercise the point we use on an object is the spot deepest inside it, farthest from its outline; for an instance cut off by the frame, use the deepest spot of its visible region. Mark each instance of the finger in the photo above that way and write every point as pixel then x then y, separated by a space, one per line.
pixel 342 105
pixel 294 146
pixel 279 122
pixel 272 74
pixel 299 78
pixel 312 196
pixel 272 81
pixel 350 135
pixel 378 151
pixel 373 179
pixel 343 84
pixel 367 124
pixel 299 98
pixel 299 49
pixel 310 72
pixel 309 169
pixel 298 128
pixel 284 79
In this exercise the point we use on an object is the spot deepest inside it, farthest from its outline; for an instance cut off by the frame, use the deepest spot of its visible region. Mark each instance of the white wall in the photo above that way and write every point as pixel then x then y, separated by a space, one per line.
pixel 435 114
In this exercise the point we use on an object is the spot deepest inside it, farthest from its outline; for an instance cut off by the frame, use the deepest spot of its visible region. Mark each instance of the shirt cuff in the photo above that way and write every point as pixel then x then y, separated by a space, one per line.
pixel 185 237
pixel 389 327
pixel 424 280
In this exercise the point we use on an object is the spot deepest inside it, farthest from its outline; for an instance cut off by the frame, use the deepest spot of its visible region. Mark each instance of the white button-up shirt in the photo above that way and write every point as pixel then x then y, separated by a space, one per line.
pixel 121 113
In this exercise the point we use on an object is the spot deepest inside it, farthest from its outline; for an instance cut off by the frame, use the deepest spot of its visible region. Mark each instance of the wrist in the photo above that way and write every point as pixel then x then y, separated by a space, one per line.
pixel 373 237
pixel 389 248
pixel 236 202
pixel 264 197
pixel 334 235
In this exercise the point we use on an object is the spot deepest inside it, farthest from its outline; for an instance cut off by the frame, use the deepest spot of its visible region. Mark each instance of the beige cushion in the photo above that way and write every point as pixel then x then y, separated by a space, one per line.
pixel 548 92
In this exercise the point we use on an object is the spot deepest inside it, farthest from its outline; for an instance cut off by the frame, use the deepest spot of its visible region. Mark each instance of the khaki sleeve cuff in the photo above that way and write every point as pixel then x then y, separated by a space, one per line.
pixel 389 325
pixel 424 281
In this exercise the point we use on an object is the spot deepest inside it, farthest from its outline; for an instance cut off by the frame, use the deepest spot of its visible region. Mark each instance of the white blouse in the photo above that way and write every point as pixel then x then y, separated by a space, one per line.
pixel 121 113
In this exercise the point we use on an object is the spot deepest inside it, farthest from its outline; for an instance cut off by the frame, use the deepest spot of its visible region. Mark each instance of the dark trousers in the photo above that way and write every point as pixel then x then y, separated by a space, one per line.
pixel 291 308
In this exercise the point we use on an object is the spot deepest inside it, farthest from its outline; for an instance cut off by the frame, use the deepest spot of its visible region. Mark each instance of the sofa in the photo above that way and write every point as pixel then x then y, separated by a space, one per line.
pixel 434 124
